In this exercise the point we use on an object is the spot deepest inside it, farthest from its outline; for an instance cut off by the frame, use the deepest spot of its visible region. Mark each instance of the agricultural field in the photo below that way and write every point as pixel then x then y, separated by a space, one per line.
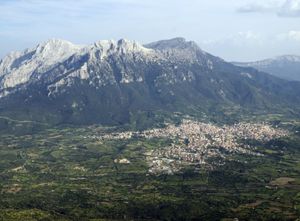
pixel 104 173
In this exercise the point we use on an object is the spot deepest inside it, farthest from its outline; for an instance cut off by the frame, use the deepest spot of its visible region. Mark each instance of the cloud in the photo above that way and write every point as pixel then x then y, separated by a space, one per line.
pixel 260 7
pixel 243 45
pixel 286 8
pixel 291 8
pixel 253 7
pixel 252 38
pixel 238 39
pixel 251 45
pixel 249 35
pixel 293 35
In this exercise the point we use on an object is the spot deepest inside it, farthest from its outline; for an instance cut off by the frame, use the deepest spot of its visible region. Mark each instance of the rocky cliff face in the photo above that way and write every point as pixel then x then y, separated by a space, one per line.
pixel 57 62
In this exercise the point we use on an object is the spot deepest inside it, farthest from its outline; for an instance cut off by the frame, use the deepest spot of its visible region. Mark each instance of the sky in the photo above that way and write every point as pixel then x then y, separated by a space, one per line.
pixel 236 30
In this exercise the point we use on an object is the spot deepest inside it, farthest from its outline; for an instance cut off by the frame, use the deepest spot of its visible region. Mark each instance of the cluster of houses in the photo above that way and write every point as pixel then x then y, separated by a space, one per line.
pixel 197 143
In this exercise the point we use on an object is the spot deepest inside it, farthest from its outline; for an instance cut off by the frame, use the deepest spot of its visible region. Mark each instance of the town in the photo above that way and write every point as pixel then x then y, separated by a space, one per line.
pixel 196 143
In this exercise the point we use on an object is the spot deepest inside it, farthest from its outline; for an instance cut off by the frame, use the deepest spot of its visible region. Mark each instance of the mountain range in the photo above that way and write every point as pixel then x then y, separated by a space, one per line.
pixel 118 82
pixel 286 66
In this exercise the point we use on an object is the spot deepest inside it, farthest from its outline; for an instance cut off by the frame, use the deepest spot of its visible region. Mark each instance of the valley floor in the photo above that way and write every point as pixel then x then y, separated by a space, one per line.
pixel 191 171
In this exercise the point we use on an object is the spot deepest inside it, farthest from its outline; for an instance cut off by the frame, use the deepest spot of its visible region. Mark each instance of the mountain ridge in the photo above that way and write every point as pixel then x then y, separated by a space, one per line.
pixel 113 82
pixel 285 66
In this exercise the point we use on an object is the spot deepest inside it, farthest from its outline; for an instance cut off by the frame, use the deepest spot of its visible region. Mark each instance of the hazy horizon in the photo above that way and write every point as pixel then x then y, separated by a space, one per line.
pixel 234 30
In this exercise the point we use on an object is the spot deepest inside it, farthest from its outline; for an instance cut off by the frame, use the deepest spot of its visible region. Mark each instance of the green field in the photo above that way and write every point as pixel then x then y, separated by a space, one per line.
pixel 59 174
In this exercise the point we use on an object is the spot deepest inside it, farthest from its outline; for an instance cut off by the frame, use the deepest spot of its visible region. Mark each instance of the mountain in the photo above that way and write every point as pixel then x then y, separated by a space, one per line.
pixel 117 82
pixel 286 67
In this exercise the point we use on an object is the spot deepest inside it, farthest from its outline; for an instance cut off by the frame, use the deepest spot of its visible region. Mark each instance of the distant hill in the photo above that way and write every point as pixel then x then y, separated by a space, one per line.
pixel 286 67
